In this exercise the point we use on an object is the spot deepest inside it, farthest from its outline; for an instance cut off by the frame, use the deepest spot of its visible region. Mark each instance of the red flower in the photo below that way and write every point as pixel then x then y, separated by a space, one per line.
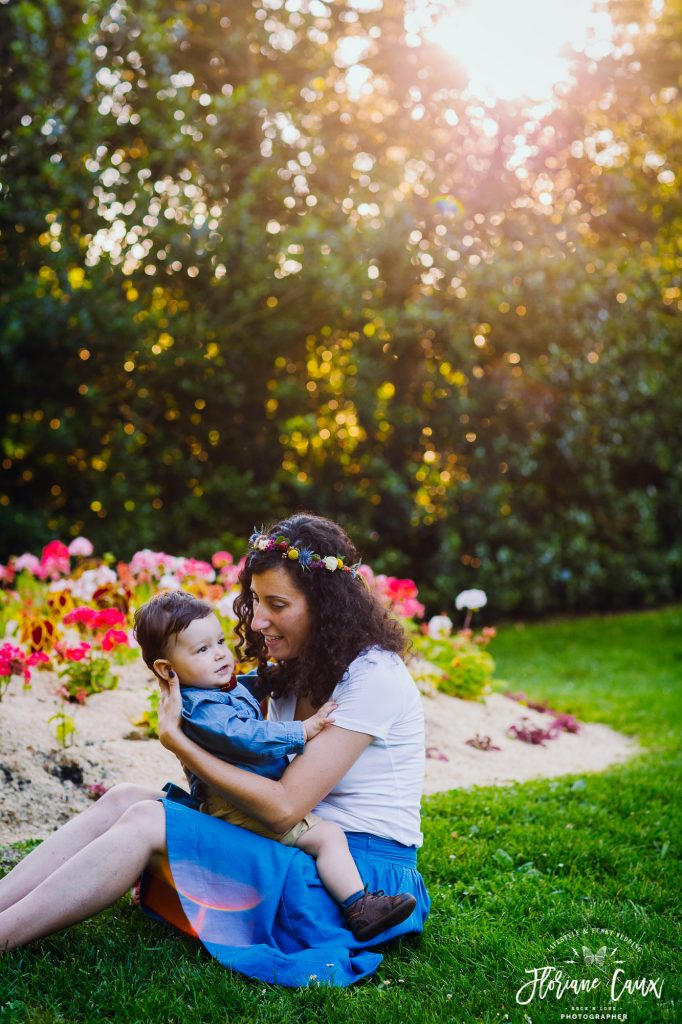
pixel 82 615
pixel 114 638
pixel 55 549
pixel 108 617
pixel 54 559
pixel 7 573
pixel 399 590
pixel 74 653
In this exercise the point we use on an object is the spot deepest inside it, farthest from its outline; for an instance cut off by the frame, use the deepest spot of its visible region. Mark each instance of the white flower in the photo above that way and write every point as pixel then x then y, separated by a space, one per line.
pixel 225 606
pixel 58 585
pixel 169 582
pixel 440 626
pixel 262 543
pixel 91 580
pixel 331 563
pixel 471 599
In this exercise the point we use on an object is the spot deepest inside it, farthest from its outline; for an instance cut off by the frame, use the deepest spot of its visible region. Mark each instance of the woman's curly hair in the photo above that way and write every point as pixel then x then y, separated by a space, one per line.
pixel 346 618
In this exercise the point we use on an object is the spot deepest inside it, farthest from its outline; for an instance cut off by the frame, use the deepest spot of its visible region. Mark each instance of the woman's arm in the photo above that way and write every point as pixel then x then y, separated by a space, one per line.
pixel 279 805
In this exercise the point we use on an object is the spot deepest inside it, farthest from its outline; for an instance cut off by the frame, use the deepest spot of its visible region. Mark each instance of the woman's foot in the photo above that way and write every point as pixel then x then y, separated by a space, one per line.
pixel 374 912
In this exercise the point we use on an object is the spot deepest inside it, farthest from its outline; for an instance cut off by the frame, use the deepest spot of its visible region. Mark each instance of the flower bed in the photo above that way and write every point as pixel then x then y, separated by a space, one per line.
pixel 72 612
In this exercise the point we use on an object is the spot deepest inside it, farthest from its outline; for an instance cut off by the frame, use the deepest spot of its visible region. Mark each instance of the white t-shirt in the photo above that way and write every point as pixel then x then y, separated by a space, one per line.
pixel 381 792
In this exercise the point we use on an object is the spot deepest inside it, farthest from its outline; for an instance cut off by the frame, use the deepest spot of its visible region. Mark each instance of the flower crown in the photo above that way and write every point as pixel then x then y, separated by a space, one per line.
pixel 295 552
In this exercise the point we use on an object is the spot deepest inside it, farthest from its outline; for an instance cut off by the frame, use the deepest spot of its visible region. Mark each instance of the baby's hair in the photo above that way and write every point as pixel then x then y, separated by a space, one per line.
pixel 163 617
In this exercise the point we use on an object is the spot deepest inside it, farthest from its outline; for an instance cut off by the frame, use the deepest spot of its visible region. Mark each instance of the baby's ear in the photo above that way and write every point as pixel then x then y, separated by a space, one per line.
pixel 162 668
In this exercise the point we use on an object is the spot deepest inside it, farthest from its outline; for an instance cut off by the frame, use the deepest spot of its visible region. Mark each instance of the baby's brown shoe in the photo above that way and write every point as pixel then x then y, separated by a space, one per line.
pixel 375 912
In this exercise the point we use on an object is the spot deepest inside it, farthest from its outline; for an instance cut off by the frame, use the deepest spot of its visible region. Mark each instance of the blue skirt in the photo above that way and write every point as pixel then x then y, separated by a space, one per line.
pixel 260 908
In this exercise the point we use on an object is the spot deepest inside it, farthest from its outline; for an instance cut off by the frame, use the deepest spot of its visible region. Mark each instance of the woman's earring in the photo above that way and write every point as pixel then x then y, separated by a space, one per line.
pixel 172 674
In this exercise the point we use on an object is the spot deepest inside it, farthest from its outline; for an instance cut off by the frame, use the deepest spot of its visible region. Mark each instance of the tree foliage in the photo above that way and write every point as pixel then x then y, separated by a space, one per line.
pixel 266 256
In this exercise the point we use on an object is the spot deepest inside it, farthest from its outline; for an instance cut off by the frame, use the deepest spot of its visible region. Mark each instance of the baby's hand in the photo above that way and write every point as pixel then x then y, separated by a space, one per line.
pixel 317 722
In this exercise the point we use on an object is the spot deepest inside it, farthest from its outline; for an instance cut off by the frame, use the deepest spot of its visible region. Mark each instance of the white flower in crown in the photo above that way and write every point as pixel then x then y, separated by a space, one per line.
pixel 262 543
pixel 472 599
pixel 331 563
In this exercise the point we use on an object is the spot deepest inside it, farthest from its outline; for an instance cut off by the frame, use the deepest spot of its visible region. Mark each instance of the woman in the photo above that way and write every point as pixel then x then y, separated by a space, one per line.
pixel 257 906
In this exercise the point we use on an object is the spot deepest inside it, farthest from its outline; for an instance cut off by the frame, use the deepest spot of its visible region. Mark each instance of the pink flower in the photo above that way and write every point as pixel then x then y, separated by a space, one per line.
pixel 565 723
pixel 54 560
pixel 409 608
pixel 12 660
pixel 229 575
pixel 37 658
pixel 81 546
pixel 154 563
pixel 97 789
pixel 27 561
pixel 195 567
pixel 114 638
pixel 221 559
pixel 529 733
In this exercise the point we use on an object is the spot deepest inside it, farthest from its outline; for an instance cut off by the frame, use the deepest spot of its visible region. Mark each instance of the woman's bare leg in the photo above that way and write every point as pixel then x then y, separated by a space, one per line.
pixel 40 863
pixel 91 879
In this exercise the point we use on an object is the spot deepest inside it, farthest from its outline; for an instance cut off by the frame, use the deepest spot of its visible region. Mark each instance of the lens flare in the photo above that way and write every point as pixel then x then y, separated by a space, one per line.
pixel 217 892
pixel 448 206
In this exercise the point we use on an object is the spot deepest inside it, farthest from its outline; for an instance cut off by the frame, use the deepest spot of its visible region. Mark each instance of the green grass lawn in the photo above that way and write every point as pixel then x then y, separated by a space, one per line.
pixel 511 870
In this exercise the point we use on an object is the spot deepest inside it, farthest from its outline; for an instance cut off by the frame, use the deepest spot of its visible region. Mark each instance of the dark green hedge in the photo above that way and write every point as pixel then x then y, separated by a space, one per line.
pixel 232 287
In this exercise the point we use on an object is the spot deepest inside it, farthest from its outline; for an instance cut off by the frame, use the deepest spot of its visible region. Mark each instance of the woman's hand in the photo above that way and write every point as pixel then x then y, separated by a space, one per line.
pixel 170 706
pixel 317 722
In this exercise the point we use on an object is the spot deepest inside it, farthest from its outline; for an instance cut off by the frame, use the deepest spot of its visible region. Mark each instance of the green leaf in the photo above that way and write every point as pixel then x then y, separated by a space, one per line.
pixel 503 858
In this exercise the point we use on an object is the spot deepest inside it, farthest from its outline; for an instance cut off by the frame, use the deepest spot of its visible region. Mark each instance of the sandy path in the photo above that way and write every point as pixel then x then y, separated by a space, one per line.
pixel 42 786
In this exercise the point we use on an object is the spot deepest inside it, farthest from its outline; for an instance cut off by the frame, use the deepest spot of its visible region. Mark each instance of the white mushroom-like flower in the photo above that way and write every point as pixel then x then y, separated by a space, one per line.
pixel 331 563
pixel 440 626
pixel 471 599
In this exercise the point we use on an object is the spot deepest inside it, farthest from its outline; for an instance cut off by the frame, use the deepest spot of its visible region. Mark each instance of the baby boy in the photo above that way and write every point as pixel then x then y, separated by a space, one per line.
pixel 181 635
